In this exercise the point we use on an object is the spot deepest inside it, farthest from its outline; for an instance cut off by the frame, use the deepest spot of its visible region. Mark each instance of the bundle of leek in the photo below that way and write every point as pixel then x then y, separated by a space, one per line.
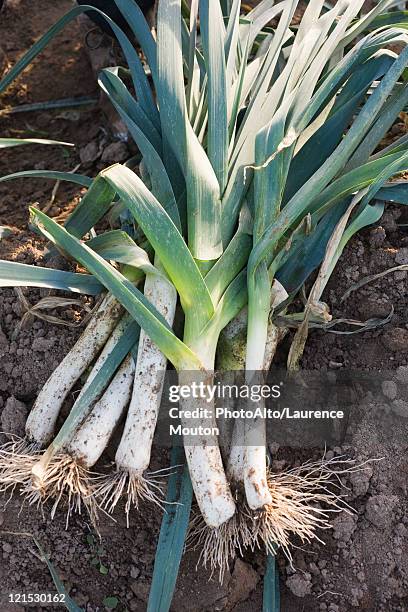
pixel 256 150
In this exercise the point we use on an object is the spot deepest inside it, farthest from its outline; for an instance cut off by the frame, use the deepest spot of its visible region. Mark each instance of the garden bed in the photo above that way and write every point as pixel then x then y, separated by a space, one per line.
pixel 364 564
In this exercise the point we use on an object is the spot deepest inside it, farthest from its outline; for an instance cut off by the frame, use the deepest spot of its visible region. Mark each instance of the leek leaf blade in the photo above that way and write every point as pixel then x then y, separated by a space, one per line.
pixel 172 535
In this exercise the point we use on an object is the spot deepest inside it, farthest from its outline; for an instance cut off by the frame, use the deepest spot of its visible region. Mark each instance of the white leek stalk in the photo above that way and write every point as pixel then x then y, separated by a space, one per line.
pixel 104 354
pixel 94 434
pixel 255 471
pixel 134 450
pixel 218 546
pixel 204 458
pixel 208 477
pixel 63 471
pixel 18 458
pixel 231 357
pixel 91 439
pixel 133 453
pixel 43 416
pixel 243 465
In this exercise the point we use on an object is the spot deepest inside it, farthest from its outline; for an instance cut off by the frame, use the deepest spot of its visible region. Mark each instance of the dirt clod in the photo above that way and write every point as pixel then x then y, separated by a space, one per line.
pixel 243 581
pixel 396 339
pixel 402 256
pixel 140 589
pixel 42 345
pixel 90 152
pixel 3 337
pixel 389 388
pixel 360 481
pixel 300 584
pixel 400 408
pixel 116 152
pixel 377 236
pixel 343 526
pixel 402 374
pixel 380 508
pixel 13 417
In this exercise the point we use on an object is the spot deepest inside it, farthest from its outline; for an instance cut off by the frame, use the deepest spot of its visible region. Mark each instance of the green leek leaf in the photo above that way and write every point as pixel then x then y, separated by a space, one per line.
pixel 14 274
pixel 172 535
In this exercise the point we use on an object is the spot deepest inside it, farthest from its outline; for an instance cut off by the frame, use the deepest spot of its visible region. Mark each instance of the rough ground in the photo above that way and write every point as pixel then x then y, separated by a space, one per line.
pixel 364 563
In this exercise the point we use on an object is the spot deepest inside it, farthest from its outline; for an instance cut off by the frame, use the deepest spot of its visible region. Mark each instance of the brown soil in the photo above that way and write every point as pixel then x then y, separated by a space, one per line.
pixel 364 564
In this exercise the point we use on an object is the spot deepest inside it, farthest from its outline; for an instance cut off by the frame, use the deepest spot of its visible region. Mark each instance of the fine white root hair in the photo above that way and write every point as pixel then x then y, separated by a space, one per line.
pixel 17 458
pixel 218 546
pixel 109 489
pixel 303 498
pixel 64 481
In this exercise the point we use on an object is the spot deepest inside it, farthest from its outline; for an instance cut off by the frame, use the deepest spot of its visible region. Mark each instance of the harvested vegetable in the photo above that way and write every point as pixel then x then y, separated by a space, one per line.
pixel 258 165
